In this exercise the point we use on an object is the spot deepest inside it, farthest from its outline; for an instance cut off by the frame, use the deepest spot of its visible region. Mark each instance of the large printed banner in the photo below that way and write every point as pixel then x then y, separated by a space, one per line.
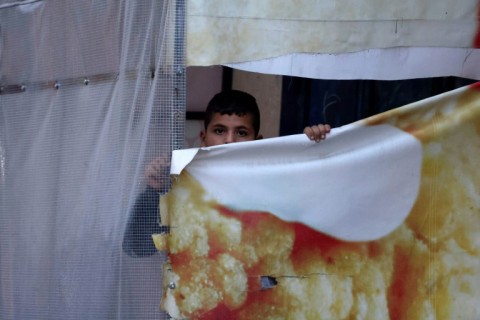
pixel 337 39
pixel 379 221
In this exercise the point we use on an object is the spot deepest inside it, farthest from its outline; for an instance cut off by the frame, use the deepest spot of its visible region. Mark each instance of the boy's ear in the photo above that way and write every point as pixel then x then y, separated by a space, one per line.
pixel 259 137
pixel 202 138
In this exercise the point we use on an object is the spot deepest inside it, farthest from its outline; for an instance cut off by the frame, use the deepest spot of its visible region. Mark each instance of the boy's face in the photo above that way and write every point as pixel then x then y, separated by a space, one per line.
pixel 224 128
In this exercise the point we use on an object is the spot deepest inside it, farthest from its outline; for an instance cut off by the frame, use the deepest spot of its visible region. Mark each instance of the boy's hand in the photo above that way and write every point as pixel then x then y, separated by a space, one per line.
pixel 318 132
pixel 156 172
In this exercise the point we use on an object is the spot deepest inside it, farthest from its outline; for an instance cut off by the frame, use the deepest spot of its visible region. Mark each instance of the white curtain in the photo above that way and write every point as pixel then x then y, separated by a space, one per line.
pixel 90 92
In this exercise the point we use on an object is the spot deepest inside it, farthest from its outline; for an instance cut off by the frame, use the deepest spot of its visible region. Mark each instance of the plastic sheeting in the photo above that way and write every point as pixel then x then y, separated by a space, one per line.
pixel 89 92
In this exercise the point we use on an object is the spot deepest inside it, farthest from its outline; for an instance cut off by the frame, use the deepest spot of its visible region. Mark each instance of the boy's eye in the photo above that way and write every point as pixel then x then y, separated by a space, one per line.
pixel 242 133
pixel 218 130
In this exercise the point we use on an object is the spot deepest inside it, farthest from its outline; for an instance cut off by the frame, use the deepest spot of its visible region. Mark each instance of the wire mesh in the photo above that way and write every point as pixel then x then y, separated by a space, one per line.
pixel 90 93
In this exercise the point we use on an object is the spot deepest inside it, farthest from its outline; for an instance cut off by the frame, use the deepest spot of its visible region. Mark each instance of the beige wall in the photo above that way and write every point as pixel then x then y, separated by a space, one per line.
pixel 267 89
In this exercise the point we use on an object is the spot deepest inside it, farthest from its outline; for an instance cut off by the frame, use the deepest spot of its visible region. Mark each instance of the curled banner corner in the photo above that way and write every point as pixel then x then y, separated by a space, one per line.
pixel 384 160
pixel 180 159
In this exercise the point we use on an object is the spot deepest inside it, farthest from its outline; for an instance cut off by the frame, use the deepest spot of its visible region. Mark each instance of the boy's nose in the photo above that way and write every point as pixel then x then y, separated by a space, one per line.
pixel 229 137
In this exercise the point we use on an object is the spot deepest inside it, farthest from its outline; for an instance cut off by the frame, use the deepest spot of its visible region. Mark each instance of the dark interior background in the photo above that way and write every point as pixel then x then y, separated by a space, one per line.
pixel 338 102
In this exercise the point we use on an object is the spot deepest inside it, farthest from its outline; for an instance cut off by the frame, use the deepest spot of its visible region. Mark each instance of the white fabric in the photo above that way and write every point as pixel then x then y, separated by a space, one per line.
pixel 258 175
pixel 374 64
pixel 72 158
pixel 337 39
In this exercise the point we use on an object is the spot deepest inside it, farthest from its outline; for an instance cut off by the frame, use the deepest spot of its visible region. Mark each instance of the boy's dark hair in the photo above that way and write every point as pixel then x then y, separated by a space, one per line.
pixel 233 102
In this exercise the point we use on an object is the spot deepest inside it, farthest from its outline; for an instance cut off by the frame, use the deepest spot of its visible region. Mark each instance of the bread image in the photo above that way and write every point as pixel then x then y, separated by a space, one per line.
pixel 226 263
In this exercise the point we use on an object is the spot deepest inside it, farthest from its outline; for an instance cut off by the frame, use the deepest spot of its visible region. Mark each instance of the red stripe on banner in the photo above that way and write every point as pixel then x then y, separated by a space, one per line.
pixel 475 85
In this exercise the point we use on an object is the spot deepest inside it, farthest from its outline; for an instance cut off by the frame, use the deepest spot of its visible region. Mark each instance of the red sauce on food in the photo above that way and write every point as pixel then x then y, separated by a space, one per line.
pixel 308 243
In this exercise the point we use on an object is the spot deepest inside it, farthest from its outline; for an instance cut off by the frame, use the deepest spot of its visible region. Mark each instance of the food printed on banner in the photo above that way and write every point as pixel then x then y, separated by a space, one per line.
pixel 236 264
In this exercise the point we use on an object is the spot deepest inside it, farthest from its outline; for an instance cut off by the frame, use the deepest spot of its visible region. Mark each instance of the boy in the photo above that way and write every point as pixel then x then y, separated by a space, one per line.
pixel 231 116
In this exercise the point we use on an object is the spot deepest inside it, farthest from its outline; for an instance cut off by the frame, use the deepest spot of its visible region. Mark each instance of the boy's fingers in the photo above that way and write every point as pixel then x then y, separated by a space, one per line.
pixel 154 170
pixel 309 132
pixel 317 132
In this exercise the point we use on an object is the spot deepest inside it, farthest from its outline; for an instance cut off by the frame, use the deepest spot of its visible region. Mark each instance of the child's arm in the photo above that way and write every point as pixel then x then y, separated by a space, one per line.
pixel 142 223
pixel 144 216
pixel 317 132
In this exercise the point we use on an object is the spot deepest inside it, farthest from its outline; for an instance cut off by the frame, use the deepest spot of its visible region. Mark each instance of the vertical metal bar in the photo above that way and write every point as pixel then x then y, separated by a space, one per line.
pixel 180 75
